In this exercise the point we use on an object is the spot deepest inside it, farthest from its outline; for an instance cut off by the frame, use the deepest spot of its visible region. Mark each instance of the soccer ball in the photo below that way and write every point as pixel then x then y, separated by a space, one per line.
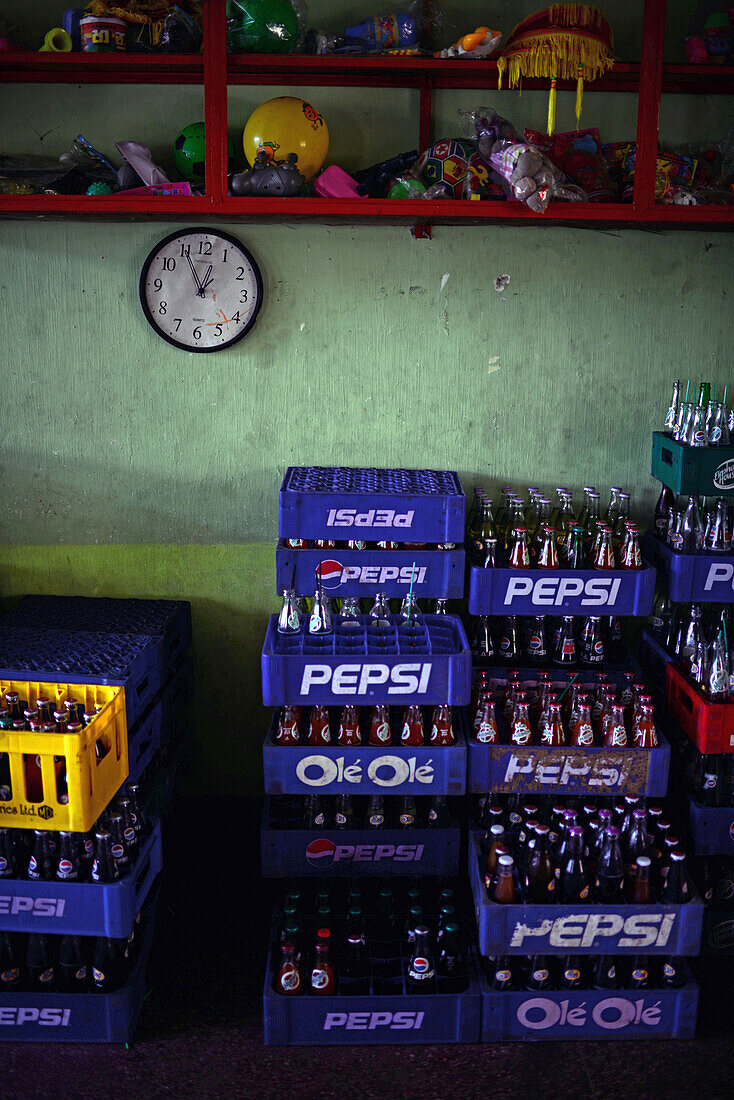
pixel 189 152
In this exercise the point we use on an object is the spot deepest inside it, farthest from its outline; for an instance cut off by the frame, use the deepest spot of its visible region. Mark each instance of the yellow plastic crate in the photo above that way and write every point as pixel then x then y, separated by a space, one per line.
pixel 91 782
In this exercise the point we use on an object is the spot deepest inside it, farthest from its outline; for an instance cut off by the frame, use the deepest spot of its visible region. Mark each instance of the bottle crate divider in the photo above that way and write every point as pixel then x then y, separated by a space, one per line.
pixel 589 1013
pixel 431 664
pixel 167 620
pixel 499 591
pixel 718 931
pixel 709 725
pixel 692 578
pixel 392 769
pixel 711 828
pixel 36 801
pixel 75 657
pixel 391 1018
pixel 326 502
pixel 654 659
pixel 390 851
pixel 581 929
pixel 80 1017
pixel 692 471
pixel 437 573
pixel 83 908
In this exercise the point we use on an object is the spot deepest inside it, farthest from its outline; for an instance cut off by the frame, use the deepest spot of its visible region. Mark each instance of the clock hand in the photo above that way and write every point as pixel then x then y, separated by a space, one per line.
pixel 207 280
pixel 197 284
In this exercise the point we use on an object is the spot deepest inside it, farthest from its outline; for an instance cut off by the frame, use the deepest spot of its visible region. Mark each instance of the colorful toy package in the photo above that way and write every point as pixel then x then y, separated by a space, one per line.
pixel 578 154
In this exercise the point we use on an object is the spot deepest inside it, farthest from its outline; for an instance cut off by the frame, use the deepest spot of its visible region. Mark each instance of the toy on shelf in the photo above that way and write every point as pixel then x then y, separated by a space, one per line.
pixel 103 34
pixel 261 26
pixel 579 156
pixel 56 41
pixel 285 125
pixel 189 151
pixel 480 43
pixel 147 26
pixel 376 180
pixel 711 34
pixel 563 42
pixel 268 178
pixel 394 32
pixel 454 169
pixel 335 183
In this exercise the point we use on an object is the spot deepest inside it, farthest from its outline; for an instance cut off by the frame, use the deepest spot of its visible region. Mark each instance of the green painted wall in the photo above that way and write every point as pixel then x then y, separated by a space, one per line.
pixel 129 468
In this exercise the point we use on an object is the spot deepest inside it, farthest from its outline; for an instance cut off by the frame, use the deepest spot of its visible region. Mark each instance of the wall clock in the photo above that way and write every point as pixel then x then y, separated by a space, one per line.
pixel 201 290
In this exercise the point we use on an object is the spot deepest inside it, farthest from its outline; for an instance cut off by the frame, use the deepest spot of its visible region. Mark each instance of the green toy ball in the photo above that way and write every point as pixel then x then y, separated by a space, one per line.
pixel 99 188
pixel 261 26
pixel 189 151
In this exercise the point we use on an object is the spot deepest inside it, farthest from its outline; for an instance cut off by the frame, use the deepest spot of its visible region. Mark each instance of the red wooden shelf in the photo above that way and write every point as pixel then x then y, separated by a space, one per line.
pixel 216 70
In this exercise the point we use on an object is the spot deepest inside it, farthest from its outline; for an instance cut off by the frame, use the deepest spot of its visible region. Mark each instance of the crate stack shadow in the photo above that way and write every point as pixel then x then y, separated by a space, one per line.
pixel 422 512
pixel 130 661
pixel 701 729
pixel 515 777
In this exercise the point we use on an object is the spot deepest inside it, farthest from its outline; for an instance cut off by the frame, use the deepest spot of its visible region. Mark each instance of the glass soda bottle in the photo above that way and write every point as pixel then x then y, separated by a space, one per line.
pixel 349 733
pixel 547 555
pixel 289 731
pixel 289 977
pixel 442 731
pixel 421 969
pixel 323 979
pixel 553 733
pixel 319 731
pixel 520 731
pixel 379 734
pixel 504 890
pixel 485 722
pixel 582 733
pixel 412 731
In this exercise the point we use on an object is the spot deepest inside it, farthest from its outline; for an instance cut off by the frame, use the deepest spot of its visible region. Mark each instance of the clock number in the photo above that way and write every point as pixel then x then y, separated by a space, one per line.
pixel 240 274
pixel 177 322
pixel 169 264
pixel 185 249
pixel 224 255
pixel 158 284
pixel 197 333
pixel 243 296
pixel 236 317
pixel 163 308
pixel 205 248
pixel 218 332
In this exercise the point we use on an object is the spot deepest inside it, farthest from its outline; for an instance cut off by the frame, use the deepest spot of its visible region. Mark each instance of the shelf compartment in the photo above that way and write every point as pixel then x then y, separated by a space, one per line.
pixel 78 67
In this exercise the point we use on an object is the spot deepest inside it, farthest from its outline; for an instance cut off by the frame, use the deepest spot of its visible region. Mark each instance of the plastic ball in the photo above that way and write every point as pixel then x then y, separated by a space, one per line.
pixel 99 188
pixel 261 26
pixel 287 125
pixel 189 150
pixel 449 162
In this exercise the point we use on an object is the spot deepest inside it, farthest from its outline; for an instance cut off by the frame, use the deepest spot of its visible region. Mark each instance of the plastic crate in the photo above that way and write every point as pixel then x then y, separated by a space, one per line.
pixel 79 1017
pixel 654 659
pixel 692 471
pixel 561 591
pixel 718 932
pixel 712 828
pixel 311 853
pixel 75 657
pixel 385 1018
pixel 542 769
pixel 430 665
pixel 82 908
pixel 167 620
pixel 91 783
pixel 162 721
pixel 589 1013
pixel 710 726
pixel 581 929
pixel 336 769
pixel 366 572
pixel 692 578
pixel 342 502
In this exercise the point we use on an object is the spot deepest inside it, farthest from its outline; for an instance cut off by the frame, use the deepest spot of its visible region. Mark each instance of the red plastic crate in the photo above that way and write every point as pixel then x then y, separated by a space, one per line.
pixel 710 726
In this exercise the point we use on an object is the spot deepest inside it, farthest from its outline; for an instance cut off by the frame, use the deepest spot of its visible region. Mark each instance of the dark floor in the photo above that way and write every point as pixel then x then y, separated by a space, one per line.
pixel 200 1033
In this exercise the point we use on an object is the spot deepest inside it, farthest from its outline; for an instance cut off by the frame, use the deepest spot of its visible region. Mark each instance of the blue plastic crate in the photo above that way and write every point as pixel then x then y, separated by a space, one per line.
pixel 692 471
pixel 131 661
pixel 561 591
pixel 430 665
pixel 340 503
pixel 366 572
pixel 387 1019
pixel 589 1013
pixel 167 620
pixel 692 578
pixel 79 1017
pixel 718 932
pixel 312 853
pixel 82 908
pixel 581 929
pixel 654 658
pixel 336 769
pixel 712 828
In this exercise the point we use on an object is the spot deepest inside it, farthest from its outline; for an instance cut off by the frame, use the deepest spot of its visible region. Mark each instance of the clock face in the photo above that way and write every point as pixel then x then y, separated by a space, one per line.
pixel 201 290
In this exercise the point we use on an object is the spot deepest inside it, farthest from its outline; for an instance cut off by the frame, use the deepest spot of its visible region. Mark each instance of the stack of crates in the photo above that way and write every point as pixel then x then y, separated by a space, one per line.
pixel 702 730
pixel 131 658
pixel 597 776
pixel 427 666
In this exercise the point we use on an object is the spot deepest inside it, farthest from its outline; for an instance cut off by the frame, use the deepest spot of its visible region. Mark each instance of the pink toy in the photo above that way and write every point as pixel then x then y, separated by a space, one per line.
pixel 335 183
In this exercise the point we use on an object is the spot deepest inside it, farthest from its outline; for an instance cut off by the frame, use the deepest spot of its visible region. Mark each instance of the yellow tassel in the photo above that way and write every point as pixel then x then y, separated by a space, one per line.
pixel 501 66
pixel 552 108
pixel 579 94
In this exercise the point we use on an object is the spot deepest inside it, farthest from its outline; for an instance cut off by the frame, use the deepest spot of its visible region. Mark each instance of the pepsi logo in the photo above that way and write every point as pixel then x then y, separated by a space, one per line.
pixel 330 573
pixel 731 830
pixel 65 866
pixel 420 965
pixel 320 851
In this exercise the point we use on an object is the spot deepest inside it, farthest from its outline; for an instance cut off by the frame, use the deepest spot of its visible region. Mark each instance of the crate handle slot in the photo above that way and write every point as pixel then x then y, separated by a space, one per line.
pixel 141 686
pixel 687 702
pixel 667 456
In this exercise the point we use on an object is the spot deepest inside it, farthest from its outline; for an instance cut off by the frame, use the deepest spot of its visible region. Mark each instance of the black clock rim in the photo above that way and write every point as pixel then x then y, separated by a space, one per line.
pixel 183 233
